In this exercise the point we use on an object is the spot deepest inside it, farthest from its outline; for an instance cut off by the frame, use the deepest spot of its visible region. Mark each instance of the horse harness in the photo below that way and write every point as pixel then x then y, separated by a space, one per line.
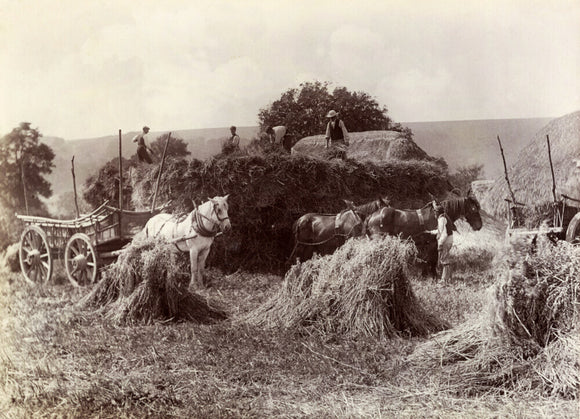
pixel 336 230
pixel 197 226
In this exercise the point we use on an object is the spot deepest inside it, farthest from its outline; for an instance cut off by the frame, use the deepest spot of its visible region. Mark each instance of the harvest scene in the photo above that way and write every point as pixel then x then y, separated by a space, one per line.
pixel 327 261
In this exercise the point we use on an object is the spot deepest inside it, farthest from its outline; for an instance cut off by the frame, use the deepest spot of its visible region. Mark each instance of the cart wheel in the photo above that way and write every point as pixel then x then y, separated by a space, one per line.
pixel 35 256
pixel 573 231
pixel 80 260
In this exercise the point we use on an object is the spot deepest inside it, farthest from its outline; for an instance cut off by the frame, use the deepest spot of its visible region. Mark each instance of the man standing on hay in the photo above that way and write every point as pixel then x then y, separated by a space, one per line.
pixel 142 148
pixel 445 228
pixel 232 143
pixel 336 134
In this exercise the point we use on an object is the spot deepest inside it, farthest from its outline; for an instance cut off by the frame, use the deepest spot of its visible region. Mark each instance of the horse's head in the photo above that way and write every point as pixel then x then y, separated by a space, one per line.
pixel 471 211
pixel 219 213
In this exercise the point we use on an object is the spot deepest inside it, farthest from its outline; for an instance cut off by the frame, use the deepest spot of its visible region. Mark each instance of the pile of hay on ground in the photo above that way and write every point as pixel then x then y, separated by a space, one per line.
pixel 529 340
pixel 148 282
pixel 375 146
pixel 268 193
pixel 360 290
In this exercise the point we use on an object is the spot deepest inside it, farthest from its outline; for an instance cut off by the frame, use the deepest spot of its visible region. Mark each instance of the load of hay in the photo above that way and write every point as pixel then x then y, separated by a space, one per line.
pixel 375 146
pixel 268 193
pixel 148 282
pixel 529 340
pixel 360 290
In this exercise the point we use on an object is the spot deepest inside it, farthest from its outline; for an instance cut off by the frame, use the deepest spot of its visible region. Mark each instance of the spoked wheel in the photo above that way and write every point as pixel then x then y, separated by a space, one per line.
pixel 573 231
pixel 80 260
pixel 35 257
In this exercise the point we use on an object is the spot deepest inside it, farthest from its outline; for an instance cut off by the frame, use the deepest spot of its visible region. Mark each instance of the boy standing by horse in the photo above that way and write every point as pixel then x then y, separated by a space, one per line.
pixel 445 228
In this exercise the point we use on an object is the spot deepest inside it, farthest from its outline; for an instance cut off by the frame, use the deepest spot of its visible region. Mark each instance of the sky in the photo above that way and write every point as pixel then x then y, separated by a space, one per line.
pixel 83 69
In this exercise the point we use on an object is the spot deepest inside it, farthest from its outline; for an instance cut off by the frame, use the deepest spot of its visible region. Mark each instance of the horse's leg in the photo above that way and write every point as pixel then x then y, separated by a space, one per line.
pixel 193 266
pixel 202 256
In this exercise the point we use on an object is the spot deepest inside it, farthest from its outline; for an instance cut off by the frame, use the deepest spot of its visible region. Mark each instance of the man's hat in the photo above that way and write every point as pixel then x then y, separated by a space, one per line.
pixel 331 114
pixel 146 128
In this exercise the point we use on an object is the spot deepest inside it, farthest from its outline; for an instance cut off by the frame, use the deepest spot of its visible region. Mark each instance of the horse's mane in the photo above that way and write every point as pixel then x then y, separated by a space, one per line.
pixel 369 207
pixel 456 206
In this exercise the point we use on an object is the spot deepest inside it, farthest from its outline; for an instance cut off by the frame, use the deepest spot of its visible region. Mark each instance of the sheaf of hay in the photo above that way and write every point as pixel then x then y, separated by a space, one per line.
pixel 149 282
pixel 360 290
pixel 530 338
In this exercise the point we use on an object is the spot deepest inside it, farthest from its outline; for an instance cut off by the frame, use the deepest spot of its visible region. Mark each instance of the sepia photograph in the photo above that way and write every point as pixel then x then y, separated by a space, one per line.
pixel 289 209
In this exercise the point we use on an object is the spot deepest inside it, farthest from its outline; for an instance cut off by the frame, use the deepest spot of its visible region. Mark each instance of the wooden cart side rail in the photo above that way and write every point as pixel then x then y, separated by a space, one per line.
pixel 100 212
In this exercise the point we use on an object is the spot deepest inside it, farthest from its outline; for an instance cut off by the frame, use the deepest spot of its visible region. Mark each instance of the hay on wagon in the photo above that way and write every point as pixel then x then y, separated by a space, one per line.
pixel 268 193
pixel 149 282
pixel 530 338
pixel 360 290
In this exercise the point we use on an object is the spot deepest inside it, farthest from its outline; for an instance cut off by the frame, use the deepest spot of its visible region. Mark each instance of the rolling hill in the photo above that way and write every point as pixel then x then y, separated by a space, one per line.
pixel 458 142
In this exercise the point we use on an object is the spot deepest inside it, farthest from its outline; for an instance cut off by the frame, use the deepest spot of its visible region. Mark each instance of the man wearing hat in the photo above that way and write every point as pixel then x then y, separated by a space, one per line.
pixel 336 133
pixel 445 228
pixel 142 148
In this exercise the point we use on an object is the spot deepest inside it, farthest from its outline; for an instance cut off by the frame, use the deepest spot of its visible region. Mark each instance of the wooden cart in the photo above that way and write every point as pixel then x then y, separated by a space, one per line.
pixel 565 223
pixel 85 243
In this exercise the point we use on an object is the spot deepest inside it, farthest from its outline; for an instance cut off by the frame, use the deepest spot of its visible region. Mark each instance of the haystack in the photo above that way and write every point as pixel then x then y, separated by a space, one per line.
pixel 529 340
pixel 268 193
pixel 149 282
pixel 529 171
pixel 375 146
pixel 360 290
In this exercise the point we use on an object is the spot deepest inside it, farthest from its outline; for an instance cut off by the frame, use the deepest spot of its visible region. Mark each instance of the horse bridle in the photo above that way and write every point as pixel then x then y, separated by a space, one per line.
pixel 199 217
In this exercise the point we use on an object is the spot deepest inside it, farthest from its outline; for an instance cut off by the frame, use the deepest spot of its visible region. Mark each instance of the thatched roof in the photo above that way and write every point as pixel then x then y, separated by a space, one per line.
pixel 529 171
pixel 373 146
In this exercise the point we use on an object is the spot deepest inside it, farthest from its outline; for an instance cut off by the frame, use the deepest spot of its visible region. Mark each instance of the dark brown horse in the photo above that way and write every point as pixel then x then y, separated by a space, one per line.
pixel 408 223
pixel 324 233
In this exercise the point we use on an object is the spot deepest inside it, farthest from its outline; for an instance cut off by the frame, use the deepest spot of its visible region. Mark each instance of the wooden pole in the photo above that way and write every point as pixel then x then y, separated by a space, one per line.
pixel 551 168
pixel 24 184
pixel 506 172
pixel 514 202
pixel 160 170
pixel 120 186
pixel 72 169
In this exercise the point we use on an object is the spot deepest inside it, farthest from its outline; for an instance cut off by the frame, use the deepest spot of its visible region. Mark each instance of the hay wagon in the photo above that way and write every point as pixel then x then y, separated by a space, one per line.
pixel 565 223
pixel 84 244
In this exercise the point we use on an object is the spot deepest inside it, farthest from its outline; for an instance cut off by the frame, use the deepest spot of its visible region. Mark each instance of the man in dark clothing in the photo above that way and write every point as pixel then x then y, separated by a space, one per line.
pixel 142 148
pixel 336 133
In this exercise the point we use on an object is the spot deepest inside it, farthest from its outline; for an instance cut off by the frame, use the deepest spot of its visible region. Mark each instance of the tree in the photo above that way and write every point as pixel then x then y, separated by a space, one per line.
pixel 176 147
pixel 464 175
pixel 24 162
pixel 303 110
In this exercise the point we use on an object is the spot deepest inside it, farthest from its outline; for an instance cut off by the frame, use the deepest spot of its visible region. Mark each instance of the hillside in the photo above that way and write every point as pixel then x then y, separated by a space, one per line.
pixel 463 143
pixel 529 170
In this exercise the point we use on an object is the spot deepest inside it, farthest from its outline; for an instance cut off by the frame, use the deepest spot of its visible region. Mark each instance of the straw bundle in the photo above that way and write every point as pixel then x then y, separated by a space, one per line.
pixel 148 282
pixel 360 290
pixel 268 193
pixel 531 338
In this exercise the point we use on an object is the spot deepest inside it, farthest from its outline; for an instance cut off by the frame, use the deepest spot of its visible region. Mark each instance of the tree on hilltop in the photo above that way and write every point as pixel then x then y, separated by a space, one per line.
pixel 303 110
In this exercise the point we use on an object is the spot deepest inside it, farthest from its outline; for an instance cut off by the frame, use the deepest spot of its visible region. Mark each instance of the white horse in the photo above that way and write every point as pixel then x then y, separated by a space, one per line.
pixel 194 233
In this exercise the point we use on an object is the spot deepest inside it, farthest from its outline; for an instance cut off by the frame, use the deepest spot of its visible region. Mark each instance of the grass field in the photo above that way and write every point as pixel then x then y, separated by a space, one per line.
pixel 57 360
